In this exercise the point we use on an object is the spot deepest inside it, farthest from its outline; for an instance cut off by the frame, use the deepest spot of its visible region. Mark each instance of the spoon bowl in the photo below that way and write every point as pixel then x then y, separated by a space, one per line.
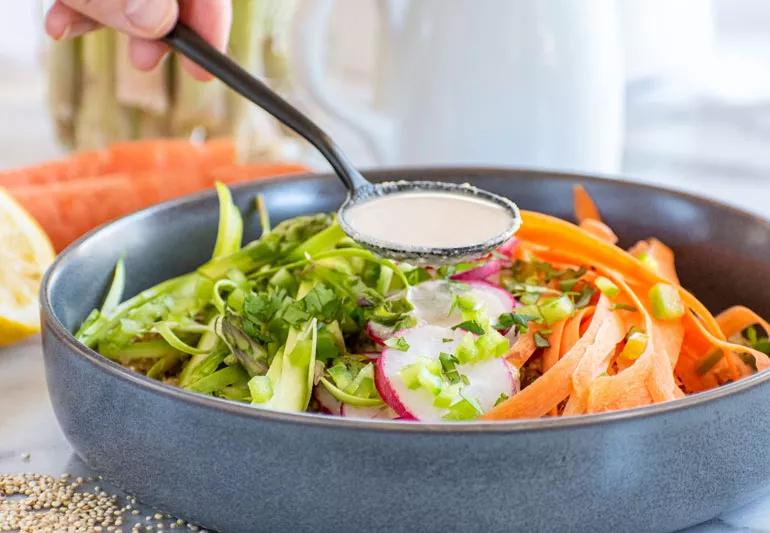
pixel 423 254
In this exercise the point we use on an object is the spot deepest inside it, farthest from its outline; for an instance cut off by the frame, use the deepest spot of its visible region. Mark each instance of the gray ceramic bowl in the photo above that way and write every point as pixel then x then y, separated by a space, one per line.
pixel 234 468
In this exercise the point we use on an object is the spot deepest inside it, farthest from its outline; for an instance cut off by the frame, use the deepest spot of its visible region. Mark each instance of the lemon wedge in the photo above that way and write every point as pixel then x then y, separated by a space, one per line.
pixel 25 253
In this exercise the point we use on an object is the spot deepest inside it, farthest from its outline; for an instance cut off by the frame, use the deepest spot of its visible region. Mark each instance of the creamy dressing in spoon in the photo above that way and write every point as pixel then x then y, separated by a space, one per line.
pixel 430 219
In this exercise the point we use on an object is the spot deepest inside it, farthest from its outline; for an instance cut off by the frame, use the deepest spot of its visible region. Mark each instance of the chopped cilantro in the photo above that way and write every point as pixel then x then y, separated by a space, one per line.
pixel 449 368
pixel 519 321
pixel 472 326
pixel 585 297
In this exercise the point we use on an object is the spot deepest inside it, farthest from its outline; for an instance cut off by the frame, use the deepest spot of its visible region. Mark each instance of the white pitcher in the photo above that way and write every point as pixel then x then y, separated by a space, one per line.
pixel 535 83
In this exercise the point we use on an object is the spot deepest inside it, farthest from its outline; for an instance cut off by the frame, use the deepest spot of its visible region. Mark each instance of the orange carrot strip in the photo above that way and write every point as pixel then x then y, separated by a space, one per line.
pixel 737 318
pixel 522 349
pixel 551 354
pixel 661 254
pixel 599 230
pixel 762 361
pixel 585 208
pixel 553 386
pixel 572 329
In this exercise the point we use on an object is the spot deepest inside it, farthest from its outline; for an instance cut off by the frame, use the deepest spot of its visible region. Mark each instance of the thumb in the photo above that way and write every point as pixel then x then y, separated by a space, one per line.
pixel 148 19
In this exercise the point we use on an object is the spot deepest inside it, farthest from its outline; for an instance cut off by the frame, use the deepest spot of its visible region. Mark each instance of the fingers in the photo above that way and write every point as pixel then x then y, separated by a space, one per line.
pixel 144 54
pixel 63 22
pixel 147 19
pixel 211 19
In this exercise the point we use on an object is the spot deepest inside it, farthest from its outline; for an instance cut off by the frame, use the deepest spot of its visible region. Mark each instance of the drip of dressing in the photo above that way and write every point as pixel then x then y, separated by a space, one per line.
pixel 429 220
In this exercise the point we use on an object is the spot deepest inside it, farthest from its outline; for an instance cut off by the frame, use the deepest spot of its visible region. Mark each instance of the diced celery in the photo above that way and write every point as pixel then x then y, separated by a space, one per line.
pixel 261 389
pixel 607 287
pixel 555 310
pixel 665 302
pixel 635 345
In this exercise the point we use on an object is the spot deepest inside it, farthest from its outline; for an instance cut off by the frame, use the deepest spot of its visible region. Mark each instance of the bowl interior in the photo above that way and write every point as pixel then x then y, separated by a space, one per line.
pixel 722 254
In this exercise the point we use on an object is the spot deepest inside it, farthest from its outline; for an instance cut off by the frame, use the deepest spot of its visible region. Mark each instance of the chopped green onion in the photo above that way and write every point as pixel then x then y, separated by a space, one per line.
pixel 261 389
pixel 447 396
pixel 410 375
pixel 555 310
pixel 429 381
pixel 648 262
pixel 607 287
pixel 466 408
pixel 492 344
pixel 636 343
pixel 466 351
pixel 665 302
pixel 397 343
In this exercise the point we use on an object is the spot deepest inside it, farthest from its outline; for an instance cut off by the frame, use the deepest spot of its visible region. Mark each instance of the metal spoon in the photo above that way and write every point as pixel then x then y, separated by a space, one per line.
pixel 186 41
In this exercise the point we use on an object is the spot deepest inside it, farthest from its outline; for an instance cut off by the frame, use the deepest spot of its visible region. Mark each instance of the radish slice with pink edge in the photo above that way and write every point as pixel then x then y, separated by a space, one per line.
pixel 433 301
pixel 481 272
pixel 507 248
pixel 487 380
pixel 328 403
pixel 379 333
pixel 376 412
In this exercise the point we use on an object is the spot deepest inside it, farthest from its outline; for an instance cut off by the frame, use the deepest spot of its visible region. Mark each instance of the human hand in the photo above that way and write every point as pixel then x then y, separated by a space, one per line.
pixel 145 21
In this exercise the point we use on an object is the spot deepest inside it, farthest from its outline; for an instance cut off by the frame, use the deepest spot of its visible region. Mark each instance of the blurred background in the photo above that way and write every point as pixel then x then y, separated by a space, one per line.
pixel 673 92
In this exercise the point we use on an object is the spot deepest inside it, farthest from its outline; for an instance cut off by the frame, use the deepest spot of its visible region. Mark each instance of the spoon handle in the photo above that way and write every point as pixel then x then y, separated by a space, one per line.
pixel 187 42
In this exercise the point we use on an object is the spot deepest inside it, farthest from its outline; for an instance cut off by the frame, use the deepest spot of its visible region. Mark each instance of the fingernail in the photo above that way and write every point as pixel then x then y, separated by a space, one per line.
pixel 76 29
pixel 152 16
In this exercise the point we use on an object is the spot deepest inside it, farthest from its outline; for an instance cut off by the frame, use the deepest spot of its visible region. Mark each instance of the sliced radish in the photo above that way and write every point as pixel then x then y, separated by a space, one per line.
pixel 507 248
pixel 480 272
pixel 487 380
pixel 329 404
pixel 379 333
pixel 379 412
pixel 433 301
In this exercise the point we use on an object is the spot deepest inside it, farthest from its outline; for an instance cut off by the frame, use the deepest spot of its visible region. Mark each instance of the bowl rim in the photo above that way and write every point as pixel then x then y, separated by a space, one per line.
pixel 53 325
